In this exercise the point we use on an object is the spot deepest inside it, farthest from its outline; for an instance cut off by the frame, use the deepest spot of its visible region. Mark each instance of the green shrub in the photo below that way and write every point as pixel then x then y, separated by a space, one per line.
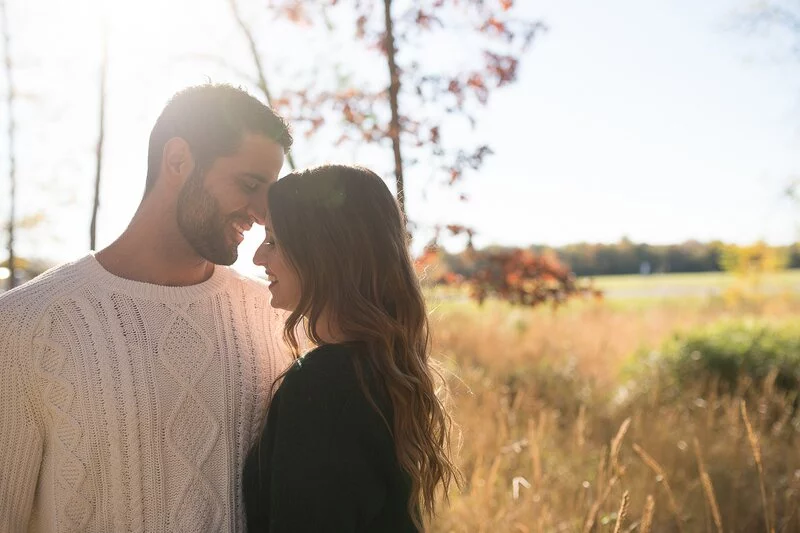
pixel 728 353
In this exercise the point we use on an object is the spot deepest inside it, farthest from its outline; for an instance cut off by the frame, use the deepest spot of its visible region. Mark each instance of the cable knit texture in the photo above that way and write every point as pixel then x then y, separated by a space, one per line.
pixel 126 406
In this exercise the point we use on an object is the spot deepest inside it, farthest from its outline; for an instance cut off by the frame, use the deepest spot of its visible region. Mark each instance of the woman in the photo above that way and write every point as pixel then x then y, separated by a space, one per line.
pixel 356 439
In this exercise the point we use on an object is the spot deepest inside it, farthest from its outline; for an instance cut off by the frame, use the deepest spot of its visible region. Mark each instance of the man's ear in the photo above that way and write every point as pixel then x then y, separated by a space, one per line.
pixel 177 161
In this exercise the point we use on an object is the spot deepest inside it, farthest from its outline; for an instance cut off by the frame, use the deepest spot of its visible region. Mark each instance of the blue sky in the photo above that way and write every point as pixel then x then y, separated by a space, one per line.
pixel 657 120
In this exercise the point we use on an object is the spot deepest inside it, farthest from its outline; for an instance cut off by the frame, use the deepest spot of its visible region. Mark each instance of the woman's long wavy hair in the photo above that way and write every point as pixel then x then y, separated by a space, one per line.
pixel 342 231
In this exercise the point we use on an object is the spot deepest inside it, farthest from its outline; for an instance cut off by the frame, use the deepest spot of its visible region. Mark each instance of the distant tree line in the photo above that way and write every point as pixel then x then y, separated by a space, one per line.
pixel 627 257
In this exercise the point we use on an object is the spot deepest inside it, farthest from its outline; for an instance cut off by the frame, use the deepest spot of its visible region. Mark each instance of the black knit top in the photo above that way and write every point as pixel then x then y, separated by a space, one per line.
pixel 326 460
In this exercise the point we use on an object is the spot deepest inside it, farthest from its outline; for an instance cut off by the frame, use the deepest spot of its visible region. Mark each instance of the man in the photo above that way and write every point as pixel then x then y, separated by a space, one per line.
pixel 133 381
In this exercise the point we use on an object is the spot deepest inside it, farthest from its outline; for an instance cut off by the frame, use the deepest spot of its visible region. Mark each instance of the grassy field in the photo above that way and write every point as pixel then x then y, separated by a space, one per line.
pixel 694 284
pixel 552 439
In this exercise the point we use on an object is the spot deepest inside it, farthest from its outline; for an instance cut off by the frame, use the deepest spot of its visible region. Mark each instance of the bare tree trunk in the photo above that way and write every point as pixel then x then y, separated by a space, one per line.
pixel 394 90
pixel 261 76
pixel 100 140
pixel 12 170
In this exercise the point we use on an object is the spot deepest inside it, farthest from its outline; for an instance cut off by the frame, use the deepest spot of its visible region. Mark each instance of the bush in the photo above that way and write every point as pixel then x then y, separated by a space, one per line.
pixel 731 353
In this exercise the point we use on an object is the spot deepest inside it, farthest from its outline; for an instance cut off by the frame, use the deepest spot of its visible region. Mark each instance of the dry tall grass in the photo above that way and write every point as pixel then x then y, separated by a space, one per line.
pixel 549 444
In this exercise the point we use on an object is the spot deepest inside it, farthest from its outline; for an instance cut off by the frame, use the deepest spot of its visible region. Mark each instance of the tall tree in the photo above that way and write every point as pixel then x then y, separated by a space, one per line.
pixel 422 100
pixel 261 75
pixel 11 137
pixel 100 136
pixel 394 105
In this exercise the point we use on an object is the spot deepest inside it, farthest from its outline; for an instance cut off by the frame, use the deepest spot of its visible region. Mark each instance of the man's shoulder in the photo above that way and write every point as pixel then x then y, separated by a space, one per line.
pixel 40 293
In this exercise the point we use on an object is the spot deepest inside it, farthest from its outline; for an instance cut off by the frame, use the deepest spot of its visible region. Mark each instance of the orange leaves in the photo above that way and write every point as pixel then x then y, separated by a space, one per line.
pixel 503 68
pixel 478 84
pixel 494 24
pixel 458 229
pixel 348 114
pixel 451 278
pixel 455 175
pixel 428 257
pixel 435 135
pixel 476 81
pixel 422 102
pixel 466 160
pixel 519 276
pixel 361 24
pixel 426 20
pixel 292 10
pixel 315 123
pixel 454 87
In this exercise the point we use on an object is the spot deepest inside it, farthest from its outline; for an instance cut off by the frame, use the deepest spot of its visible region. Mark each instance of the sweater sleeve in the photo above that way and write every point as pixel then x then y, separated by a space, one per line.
pixel 20 430
pixel 325 468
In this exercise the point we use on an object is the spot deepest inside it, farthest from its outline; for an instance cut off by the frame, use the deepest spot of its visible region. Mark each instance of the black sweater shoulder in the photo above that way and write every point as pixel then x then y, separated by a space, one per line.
pixel 329 371
pixel 326 459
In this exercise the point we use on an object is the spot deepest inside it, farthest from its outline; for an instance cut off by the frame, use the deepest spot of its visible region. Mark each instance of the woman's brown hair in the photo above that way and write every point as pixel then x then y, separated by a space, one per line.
pixel 341 229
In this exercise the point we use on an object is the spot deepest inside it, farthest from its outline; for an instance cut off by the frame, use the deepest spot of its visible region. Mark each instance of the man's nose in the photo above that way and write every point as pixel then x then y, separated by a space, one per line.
pixel 258 209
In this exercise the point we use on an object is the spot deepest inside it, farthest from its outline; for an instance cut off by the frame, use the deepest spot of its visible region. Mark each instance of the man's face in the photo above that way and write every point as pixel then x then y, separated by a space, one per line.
pixel 215 209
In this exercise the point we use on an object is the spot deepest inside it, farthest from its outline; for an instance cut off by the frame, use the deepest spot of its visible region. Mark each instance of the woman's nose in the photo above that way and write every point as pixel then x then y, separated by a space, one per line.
pixel 258 258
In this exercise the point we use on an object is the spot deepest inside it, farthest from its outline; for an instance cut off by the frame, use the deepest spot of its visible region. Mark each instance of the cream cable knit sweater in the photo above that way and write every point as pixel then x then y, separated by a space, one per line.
pixel 126 406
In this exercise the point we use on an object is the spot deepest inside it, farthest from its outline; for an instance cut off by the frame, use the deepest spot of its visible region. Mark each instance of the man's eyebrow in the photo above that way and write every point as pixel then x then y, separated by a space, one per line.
pixel 257 177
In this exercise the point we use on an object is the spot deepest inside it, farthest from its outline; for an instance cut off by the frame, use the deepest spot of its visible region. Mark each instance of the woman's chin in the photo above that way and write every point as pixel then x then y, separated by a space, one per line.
pixel 277 303
pixel 278 300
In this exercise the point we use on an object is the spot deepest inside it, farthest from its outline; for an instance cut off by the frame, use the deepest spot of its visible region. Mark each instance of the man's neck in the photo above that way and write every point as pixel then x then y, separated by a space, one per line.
pixel 154 251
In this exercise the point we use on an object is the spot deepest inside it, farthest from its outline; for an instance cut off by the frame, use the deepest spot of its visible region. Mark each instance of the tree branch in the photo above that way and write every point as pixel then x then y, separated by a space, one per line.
pixel 261 76
pixel 394 91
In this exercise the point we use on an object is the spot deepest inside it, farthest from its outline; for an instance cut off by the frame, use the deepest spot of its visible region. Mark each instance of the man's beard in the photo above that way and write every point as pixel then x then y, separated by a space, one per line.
pixel 202 225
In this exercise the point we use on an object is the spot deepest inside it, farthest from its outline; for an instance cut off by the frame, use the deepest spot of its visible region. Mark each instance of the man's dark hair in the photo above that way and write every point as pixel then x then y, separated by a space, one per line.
pixel 212 119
